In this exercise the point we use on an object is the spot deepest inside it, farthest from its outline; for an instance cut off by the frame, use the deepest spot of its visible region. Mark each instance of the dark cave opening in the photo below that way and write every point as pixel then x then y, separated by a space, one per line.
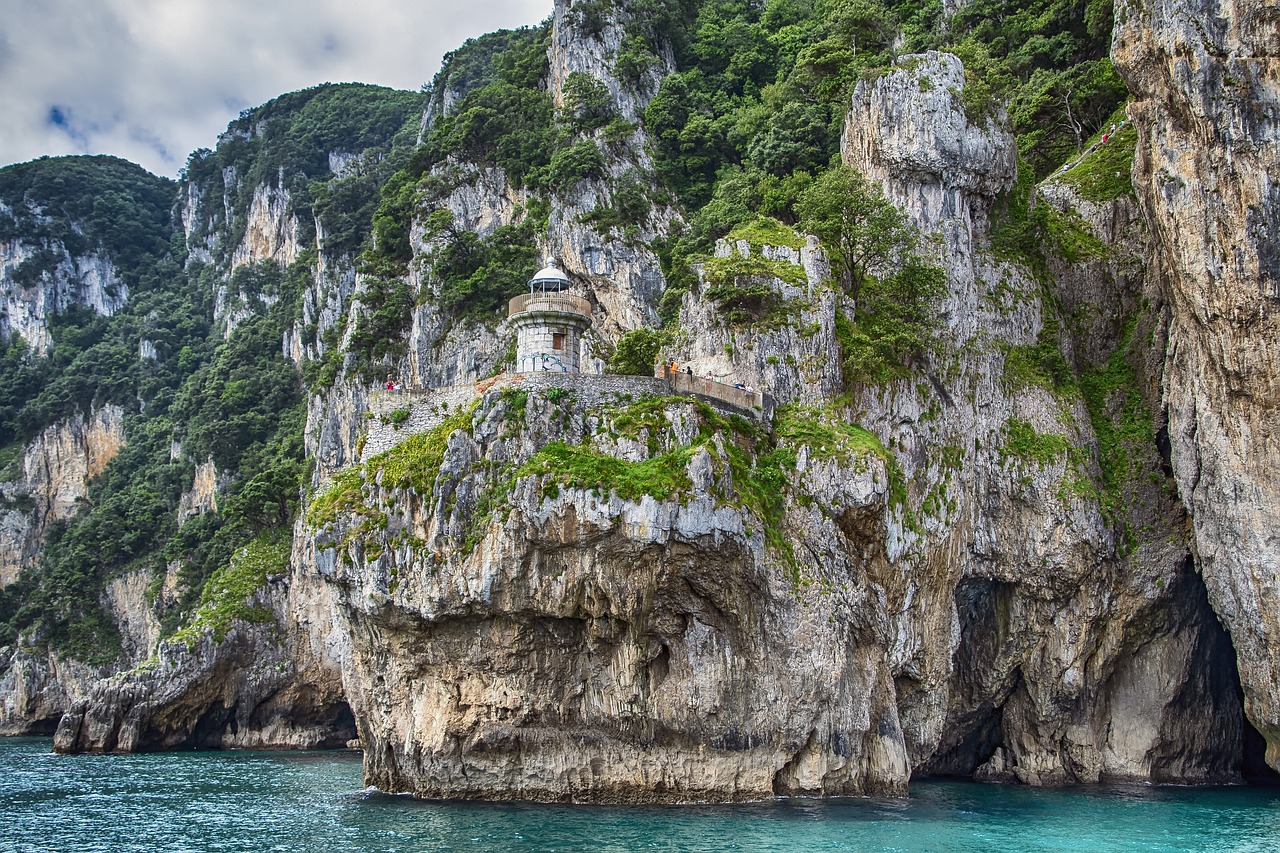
pixel 977 731
pixel 342 726
pixel 1253 764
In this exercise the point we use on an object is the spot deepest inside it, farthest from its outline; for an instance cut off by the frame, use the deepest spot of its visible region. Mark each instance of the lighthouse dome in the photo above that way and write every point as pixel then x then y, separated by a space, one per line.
pixel 550 277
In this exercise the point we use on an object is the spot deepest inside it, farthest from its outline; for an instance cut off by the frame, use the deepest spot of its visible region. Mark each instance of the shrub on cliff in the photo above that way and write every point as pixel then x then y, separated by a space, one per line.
pixel 637 352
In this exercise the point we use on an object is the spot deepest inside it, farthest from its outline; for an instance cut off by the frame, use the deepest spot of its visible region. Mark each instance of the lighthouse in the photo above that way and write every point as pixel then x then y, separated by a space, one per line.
pixel 549 321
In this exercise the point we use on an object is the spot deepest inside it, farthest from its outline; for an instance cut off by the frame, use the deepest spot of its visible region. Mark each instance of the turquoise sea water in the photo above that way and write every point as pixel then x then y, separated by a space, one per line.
pixel 255 801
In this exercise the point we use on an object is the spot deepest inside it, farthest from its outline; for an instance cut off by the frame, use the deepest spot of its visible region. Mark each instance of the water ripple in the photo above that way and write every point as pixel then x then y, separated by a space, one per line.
pixel 316 802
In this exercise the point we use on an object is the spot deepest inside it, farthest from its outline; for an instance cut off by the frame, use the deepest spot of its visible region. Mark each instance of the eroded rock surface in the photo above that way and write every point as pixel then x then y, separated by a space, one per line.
pixel 1206 77
pixel 924 596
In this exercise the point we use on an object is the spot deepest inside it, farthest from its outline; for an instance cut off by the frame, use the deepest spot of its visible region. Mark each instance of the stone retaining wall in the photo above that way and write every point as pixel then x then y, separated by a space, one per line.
pixel 426 409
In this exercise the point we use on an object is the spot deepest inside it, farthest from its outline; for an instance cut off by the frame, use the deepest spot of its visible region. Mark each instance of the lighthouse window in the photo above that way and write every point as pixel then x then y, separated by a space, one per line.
pixel 557 340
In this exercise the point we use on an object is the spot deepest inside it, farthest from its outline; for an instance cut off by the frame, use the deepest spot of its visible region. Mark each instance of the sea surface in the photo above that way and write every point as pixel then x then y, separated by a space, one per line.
pixel 269 801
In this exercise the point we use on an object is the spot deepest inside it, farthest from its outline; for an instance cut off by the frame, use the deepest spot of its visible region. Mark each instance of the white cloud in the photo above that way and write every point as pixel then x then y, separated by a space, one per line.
pixel 152 80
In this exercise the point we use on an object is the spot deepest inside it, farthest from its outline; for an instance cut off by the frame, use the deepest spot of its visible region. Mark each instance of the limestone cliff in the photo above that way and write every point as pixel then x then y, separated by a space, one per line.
pixel 35 685
pixel 37 282
pixel 250 681
pixel 1207 107
pixel 1006 558
pixel 954 586
pixel 55 474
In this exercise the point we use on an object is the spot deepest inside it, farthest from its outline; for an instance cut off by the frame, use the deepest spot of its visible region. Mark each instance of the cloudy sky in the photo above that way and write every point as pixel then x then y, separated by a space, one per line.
pixel 152 80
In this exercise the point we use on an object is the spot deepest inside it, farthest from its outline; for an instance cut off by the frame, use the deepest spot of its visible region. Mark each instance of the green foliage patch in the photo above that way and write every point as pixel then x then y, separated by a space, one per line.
pixel 227 594
pixel 637 352
pixel 1041 364
pixel 1024 443
pixel 1106 174
pixel 286 143
pixel 1121 419
pixel 577 467
pixel 412 464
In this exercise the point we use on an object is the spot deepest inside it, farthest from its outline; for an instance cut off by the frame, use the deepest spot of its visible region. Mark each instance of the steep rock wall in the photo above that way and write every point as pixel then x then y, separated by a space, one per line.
pixel 1206 76
pixel 25 305
pixel 1017 538
pixel 272 681
pixel 595 647
pixel 944 602
pixel 56 469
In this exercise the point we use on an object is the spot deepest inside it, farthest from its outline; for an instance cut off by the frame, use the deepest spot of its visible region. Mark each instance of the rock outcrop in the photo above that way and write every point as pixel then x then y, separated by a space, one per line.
pixel 269 681
pixel 56 469
pixel 26 304
pixel 826 609
pixel 1206 77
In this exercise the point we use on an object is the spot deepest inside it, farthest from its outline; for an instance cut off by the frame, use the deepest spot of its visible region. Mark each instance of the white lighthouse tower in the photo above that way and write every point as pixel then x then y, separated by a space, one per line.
pixel 549 321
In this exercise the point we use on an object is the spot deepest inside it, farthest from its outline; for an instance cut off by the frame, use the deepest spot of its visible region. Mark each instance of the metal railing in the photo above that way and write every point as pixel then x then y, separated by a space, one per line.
pixel 560 303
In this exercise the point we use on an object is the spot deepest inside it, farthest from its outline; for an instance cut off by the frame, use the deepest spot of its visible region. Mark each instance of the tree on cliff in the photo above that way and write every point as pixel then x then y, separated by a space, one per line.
pixel 863 233
pixel 636 353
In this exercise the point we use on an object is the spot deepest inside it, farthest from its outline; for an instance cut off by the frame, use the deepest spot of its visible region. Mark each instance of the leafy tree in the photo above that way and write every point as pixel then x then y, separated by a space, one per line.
pixel 798 137
pixel 576 163
pixel 477 275
pixel 637 352
pixel 863 233
pixel 895 324
pixel 587 104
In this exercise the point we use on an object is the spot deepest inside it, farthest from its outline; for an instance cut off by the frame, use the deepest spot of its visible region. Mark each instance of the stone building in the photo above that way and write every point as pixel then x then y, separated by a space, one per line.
pixel 549 321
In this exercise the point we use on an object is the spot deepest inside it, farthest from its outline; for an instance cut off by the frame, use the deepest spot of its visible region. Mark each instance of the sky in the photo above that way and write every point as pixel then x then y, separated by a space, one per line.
pixel 153 80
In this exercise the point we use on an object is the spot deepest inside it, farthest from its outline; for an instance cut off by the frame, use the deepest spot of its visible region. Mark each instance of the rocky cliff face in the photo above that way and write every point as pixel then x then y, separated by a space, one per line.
pixel 37 282
pixel 591 588
pixel 1021 536
pixel 1207 102
pixel 819 609
pixel 56 469
pixel 258 686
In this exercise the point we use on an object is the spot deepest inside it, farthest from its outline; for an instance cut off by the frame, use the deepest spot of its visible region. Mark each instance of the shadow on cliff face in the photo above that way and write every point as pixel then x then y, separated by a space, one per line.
pixel 972 737
pixel 329 726
pixel 1203 733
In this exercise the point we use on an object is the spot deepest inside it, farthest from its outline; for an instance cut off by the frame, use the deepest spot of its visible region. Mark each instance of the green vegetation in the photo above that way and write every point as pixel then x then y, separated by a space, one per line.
pixel 743 291
pixel 1068 236
pixel 1024 443
pixel 1120 417
pixel 227 595
pixel 379 332
pixel 637 352
pixel 477 275
pixel 761 89
pixel 286 143
pixel 233 399
pixel 894 326
pixel 761 231
pixel 71 206
pixel 412 464
pixel 1042 363
pixel 864 234
pixel 503 117
pixel 829 436
pixel 587 104
pixel 1105 174
pixel 396 417
pixel 578 467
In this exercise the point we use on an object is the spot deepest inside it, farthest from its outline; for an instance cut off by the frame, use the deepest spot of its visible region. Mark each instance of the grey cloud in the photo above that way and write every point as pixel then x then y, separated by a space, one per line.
pixel 152 80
